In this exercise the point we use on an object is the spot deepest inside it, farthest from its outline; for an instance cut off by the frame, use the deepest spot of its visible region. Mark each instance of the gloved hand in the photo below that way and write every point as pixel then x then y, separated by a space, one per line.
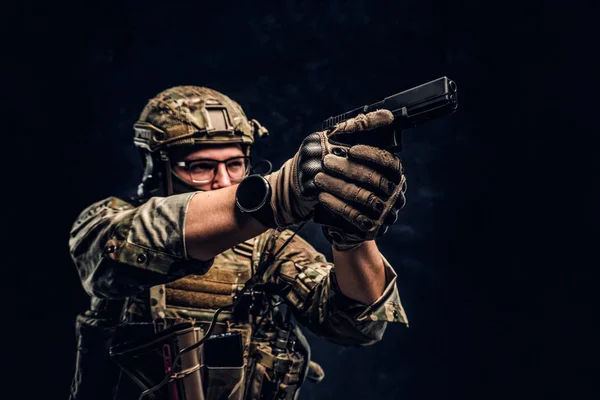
pixel 356 190
pixel 363 187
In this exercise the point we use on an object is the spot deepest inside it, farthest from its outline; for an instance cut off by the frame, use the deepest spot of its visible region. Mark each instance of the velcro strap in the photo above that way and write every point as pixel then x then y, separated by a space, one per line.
pixel 195 283
pixel 186 298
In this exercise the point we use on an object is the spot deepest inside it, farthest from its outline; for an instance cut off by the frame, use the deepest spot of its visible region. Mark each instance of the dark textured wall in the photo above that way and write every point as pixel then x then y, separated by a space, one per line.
pixel 480 247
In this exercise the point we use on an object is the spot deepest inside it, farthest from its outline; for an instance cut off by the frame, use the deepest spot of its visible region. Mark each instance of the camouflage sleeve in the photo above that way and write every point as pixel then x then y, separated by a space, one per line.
pixel 308 283
pixel 120 250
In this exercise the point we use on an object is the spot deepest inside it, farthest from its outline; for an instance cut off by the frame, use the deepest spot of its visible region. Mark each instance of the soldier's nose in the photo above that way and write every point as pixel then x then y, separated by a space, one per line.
pixel 221 177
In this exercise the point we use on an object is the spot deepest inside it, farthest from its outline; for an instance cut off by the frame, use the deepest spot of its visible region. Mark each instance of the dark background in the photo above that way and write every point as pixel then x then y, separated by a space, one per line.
pixel 500 226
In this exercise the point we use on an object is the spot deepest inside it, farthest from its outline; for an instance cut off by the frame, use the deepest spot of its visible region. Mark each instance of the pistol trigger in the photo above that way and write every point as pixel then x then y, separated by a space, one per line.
pixel 397 144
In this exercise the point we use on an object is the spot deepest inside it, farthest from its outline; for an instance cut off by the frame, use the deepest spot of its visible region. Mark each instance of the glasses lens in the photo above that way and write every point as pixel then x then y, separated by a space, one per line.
pixel 237 168
pixel 202 171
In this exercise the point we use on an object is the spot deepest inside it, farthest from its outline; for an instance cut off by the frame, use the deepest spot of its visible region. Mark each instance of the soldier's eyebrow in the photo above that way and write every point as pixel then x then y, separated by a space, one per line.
pixel 212 159
pixel 191 158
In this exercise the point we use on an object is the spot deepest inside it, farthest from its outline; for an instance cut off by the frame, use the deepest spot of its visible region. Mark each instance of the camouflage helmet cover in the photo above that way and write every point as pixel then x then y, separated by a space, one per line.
pixel 190 115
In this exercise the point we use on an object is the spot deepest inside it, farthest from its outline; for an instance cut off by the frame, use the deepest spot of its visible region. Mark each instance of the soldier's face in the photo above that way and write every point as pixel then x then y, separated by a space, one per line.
pixel 221 177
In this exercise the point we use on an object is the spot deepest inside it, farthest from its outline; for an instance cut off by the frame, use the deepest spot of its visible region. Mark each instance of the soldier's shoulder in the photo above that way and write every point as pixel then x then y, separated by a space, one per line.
pixel 110 203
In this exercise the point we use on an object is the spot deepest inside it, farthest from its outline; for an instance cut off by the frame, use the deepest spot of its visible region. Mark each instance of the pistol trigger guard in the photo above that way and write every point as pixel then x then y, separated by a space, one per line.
pixel 397 145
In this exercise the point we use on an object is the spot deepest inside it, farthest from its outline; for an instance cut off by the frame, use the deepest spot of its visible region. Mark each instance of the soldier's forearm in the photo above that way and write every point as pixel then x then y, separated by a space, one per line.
pixel 212 224
pixel 360 272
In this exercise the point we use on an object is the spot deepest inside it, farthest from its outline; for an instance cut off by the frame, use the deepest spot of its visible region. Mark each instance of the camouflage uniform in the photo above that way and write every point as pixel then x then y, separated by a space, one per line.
pixel 133 263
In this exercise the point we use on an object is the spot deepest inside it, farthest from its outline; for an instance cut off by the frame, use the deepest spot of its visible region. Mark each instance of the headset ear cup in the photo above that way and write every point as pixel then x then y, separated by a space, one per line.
pixel 151 178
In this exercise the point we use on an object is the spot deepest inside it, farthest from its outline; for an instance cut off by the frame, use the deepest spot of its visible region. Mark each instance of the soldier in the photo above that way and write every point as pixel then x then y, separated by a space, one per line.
pixel 158 267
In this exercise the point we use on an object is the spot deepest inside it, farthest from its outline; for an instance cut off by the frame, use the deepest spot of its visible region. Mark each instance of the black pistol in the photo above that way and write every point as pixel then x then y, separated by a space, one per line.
pixel 411 107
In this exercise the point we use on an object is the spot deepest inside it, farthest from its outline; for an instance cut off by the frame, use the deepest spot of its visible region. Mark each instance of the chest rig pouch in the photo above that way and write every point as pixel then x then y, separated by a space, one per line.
pixel 276 367
pixel 147 358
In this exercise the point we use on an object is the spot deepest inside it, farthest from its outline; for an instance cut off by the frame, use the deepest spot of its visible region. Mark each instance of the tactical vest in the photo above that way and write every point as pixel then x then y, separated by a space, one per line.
pixel 270 368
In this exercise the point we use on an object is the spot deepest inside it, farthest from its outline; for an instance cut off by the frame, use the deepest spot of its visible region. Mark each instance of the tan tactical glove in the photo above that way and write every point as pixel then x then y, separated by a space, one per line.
pixel 363 187
pixel 356 190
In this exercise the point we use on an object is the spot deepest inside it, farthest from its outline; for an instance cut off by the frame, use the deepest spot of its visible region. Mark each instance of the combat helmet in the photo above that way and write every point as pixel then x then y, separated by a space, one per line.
pixel 186 116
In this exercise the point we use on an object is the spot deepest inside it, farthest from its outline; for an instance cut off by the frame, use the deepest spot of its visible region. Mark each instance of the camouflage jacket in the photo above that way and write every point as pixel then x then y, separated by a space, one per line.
pixel 138 254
